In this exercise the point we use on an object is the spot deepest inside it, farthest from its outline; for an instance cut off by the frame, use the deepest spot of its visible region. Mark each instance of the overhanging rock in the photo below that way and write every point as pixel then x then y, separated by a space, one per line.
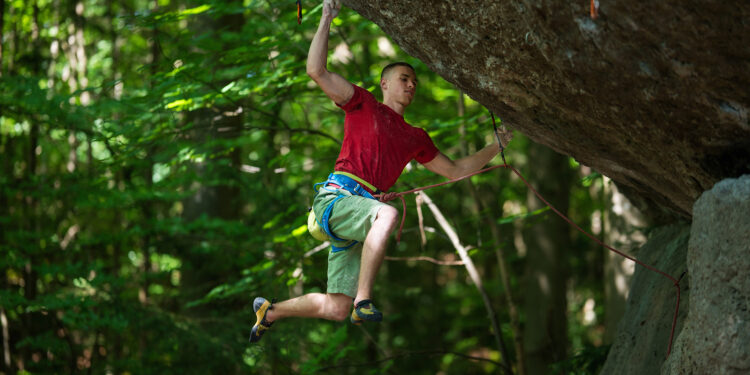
pixel 652 94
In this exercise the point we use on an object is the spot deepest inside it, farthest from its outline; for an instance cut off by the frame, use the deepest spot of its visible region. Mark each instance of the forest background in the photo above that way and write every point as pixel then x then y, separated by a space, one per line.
pixel 158 158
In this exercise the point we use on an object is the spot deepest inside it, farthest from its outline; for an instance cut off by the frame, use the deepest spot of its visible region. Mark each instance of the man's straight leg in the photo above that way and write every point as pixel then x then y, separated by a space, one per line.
pixel 361 219
pixel 373 250
pixel 331 306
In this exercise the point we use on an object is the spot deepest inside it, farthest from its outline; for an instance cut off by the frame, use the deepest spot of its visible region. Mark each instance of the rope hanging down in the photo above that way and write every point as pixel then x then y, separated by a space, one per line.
pixel 675 281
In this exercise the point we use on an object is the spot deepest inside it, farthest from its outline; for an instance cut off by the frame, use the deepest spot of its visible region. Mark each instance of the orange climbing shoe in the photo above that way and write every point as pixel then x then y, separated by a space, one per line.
pixel 261 307
pixel 365 311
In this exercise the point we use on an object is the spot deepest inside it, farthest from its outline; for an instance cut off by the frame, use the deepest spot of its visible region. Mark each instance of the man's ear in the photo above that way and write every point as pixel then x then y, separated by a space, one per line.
pixel 383 84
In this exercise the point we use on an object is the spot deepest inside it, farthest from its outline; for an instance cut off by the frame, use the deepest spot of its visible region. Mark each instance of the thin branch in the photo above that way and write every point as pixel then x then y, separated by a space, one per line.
pixel 295 130
pixel 316 249
pixel 505 279
pixel 342 34
pixel 428 259
pixel 471 269
pixel 369 336
pixel 422 235
pixel 249 127
pixel 249 105
pixel 226 96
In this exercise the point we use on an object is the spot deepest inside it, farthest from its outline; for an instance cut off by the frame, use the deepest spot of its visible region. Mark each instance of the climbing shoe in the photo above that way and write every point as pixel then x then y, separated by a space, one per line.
pixel 261 307
pixel 365 311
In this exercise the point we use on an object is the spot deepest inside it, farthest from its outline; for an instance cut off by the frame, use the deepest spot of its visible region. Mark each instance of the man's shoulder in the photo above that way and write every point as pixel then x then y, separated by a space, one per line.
pixel 364 92
pixel 360 96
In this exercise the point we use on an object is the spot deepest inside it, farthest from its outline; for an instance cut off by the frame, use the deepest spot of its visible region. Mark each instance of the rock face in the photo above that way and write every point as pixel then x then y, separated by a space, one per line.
pixel 652 94
pixel 716 337
pixel 642 339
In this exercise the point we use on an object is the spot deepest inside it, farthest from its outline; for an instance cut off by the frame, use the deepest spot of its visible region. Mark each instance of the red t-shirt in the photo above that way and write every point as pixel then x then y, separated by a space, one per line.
pixel 378 143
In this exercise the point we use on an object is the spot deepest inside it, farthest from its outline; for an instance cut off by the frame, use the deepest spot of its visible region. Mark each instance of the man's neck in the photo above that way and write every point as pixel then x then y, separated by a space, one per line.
pixel 395 106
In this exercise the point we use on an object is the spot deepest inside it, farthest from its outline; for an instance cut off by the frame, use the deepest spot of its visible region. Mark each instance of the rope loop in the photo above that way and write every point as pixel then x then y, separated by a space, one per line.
pixel 387 197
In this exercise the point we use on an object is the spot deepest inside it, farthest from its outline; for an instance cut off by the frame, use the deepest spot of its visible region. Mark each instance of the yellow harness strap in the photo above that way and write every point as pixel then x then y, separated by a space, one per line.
pixel 361 181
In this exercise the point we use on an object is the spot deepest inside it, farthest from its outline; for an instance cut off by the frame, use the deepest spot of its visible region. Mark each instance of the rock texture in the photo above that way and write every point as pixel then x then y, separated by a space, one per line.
pixel 652 94
pixel 716 337
pixel 642 339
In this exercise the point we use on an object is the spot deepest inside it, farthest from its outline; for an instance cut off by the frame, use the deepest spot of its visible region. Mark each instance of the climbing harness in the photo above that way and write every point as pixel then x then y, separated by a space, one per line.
pixel 338 180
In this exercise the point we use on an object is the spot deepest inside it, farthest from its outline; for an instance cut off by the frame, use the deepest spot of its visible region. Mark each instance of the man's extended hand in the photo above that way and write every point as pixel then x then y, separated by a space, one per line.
pixel 331 8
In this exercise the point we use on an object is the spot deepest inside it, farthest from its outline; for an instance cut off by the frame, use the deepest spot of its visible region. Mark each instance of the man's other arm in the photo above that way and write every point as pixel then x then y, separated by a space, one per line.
pixel 452 169
pixel 335 86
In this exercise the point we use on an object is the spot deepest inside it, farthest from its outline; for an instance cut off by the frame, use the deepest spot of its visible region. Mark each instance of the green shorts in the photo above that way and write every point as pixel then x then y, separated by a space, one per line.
pixel 351 219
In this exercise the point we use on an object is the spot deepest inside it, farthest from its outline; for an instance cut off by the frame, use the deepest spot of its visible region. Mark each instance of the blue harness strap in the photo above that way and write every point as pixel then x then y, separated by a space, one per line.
pixel 350 185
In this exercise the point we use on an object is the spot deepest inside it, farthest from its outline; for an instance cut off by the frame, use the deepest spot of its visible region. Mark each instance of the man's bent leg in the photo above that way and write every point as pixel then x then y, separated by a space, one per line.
pixel 373 250
pixel 332 306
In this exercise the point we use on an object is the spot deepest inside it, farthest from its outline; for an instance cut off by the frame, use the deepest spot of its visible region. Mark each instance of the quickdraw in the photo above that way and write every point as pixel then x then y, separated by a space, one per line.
pixel 299 12
pixel 594 9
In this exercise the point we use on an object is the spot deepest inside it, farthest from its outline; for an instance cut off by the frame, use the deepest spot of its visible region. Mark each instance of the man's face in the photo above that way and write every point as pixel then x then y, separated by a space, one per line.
pixel 400 84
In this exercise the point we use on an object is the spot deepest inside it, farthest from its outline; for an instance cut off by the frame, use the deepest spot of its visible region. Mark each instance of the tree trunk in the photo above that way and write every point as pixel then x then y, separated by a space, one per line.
pixel 623 226
pixel 5 365
pixel 6 179
pixel 547 241
pixel 31 320
pixel 114 345
pixel 218 201
pixel 502 266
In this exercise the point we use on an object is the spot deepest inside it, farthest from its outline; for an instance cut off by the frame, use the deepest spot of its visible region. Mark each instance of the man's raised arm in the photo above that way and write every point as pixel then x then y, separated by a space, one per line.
pixel 335 86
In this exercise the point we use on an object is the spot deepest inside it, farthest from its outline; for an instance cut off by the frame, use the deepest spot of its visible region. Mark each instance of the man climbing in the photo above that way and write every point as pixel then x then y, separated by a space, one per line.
pixel 377 145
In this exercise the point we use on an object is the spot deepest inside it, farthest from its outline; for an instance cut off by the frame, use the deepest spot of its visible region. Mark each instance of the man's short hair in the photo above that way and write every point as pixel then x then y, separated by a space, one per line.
pixel 393 65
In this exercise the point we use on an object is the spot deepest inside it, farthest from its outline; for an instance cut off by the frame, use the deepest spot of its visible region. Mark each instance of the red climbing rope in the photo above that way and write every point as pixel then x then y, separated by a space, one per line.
pixel 676 282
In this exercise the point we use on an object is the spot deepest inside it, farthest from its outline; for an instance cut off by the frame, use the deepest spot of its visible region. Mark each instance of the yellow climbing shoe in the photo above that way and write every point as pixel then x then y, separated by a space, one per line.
pixel 365 311
pixel 261 307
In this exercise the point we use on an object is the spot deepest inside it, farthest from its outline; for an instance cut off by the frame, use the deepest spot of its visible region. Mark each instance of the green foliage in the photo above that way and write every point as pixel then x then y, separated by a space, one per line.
pixel 588 361
pixel 149 192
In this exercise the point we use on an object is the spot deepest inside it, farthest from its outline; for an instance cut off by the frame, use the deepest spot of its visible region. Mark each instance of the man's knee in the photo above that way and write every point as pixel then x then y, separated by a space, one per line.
pixel 341 312
pixel 339 306
pixel 387 216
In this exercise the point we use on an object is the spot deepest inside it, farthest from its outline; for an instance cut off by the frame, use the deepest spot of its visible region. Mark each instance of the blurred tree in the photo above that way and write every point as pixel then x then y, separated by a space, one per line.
pixel 548 243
